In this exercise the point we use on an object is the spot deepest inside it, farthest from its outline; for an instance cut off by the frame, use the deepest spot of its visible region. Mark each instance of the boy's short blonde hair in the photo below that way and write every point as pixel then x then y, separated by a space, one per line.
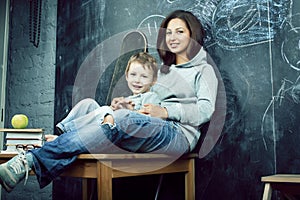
pixel 146 60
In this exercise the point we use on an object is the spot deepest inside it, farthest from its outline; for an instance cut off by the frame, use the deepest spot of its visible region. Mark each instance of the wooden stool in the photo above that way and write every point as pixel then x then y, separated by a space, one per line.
pixel 288 184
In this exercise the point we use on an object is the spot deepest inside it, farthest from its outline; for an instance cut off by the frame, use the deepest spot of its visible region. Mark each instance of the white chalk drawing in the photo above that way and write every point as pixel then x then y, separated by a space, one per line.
pixel 288 90
pixel 232 24
pixel 290 52
pixel 290 48
pixel 150 26
pixel 204 10
pixel 242 23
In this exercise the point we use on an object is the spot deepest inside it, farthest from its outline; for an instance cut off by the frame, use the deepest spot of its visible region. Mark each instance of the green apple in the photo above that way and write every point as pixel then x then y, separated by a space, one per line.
pixel 19 121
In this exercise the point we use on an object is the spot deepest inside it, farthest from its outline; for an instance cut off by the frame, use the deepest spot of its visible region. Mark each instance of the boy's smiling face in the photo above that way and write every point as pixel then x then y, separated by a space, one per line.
pixel 139 78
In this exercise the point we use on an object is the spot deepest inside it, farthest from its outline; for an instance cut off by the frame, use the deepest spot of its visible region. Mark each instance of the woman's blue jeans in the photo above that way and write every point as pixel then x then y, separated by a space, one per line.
pixel 85 133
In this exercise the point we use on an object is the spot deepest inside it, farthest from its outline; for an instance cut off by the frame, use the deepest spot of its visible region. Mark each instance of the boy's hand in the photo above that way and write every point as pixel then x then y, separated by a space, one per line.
pixel 50 138
pixel 121 103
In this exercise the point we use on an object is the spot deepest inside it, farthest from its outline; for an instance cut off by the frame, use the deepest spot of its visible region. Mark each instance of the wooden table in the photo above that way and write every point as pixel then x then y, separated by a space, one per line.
pixel 288 184
pixel 105 167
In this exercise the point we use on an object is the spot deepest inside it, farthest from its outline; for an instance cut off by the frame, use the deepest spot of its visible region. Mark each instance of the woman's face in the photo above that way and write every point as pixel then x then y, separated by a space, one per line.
pixel 178 37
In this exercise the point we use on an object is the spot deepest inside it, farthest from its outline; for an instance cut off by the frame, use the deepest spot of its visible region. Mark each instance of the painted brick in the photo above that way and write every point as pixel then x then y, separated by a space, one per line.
pixel 31 81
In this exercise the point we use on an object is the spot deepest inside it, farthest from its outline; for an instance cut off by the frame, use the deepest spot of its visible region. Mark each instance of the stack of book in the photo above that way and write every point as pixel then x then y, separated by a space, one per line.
pixel 22 138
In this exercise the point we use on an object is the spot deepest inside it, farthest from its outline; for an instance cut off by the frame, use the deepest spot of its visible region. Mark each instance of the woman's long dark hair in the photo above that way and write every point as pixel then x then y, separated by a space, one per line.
pixel 197 35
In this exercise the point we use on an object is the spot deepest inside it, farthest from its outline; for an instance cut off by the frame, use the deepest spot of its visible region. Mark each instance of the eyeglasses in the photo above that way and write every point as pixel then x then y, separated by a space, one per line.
pixel 27 147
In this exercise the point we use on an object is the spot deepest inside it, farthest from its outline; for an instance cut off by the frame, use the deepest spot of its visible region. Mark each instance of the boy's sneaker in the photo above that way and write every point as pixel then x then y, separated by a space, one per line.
pixel 15 170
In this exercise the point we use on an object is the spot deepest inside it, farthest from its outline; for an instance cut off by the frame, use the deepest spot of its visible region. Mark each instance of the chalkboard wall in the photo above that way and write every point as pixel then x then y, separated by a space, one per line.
pixel 256 46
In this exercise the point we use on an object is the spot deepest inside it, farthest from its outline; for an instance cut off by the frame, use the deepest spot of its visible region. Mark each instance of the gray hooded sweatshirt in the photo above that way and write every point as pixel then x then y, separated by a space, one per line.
pixel 188 92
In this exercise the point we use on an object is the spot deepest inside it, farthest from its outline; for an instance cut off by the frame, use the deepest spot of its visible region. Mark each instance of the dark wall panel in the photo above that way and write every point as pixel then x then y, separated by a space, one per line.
pixel 255 45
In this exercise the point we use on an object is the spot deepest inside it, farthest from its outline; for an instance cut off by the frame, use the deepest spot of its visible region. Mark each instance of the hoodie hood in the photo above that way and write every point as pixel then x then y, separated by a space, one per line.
pixel 199 58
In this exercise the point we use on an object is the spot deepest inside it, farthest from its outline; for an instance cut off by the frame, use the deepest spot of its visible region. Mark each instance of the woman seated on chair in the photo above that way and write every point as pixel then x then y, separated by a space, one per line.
pixel 187 87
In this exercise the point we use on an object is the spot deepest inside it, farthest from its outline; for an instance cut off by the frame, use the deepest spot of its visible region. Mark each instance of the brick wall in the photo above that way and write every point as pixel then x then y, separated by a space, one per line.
pixel 31 81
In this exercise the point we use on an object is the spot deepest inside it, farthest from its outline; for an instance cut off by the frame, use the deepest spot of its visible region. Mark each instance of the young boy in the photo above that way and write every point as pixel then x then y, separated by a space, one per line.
pixel 141 74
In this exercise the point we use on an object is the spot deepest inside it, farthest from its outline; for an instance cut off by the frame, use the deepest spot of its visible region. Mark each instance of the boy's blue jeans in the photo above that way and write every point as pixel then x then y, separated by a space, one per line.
pixel 133 132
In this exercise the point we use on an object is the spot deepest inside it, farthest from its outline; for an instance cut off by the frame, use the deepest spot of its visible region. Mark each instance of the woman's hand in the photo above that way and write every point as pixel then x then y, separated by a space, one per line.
pixel 50 138
pixel 154 111
pixel 121 103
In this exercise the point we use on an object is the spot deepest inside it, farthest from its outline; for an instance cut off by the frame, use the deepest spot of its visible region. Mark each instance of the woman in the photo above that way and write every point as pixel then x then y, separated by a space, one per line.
pixel 187 87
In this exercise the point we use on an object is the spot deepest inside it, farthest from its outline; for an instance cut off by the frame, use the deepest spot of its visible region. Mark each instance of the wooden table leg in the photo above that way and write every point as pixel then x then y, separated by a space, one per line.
pixel 189 181
pixel 267 192
pixel 88 187
pixel 84 189
pixel 104 180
